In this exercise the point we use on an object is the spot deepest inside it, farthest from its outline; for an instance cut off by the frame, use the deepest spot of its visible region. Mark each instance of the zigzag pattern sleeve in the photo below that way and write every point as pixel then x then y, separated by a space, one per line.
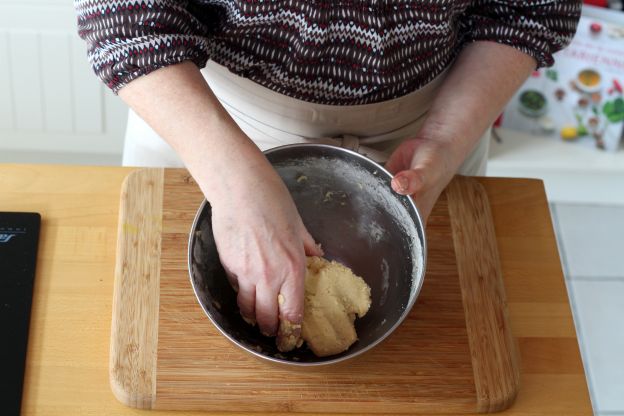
pixel 128 39
pixel 538 28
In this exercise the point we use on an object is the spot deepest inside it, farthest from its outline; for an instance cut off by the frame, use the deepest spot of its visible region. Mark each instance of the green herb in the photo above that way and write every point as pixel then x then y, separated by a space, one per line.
pixel 533 100
pixel 614 110
pixel 552 74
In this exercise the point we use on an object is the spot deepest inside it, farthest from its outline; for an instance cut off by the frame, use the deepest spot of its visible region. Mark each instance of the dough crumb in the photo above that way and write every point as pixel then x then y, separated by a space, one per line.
pixel 249 321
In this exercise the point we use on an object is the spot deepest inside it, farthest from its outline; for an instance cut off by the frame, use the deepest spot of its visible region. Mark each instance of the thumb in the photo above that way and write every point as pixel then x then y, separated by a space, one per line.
pixel 401 158
pixel 409 182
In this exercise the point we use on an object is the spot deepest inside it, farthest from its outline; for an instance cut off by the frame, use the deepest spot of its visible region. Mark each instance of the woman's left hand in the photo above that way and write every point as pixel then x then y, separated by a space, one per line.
pixel 422 167
pixel 483 77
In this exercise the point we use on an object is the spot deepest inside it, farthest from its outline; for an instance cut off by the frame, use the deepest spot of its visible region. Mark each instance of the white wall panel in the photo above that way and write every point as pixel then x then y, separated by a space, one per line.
pixel 24 61
pixel 58 109
pixel 6 94
pixel 50 100
pixel 87 92
pixel 20 15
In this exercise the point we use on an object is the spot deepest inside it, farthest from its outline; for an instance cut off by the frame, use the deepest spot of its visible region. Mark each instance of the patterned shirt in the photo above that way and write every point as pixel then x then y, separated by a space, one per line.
pixel 341 52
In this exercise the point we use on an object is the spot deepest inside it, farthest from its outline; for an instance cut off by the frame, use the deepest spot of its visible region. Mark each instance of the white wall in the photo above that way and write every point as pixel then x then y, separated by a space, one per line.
pixel 52 107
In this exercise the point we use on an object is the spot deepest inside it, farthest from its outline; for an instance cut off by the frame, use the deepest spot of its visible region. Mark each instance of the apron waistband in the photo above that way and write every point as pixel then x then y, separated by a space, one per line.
pixel 272 119
pixel 372 123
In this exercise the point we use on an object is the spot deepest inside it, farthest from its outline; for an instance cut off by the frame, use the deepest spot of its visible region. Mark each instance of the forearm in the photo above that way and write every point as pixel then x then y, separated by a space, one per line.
pixel 178 104
pixel 483 78
pixel 261 240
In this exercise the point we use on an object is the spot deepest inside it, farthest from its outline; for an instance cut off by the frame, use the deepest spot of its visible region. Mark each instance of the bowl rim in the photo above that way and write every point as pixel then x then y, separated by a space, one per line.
pixel 420 275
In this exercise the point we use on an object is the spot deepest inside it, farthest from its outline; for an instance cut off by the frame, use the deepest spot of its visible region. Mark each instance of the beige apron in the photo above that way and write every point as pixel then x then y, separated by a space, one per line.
pixel 272 119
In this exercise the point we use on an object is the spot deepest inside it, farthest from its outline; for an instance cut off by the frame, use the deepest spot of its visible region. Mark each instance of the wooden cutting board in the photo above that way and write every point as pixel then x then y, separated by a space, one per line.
pixel 453 354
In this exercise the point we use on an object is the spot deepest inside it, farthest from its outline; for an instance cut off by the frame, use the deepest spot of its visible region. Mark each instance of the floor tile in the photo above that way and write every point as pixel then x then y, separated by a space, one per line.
pixel 599 318
pixel 557 228
pixel 591 240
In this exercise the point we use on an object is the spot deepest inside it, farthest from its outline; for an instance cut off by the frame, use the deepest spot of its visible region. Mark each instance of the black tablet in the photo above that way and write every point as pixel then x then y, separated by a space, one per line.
pixel 19 238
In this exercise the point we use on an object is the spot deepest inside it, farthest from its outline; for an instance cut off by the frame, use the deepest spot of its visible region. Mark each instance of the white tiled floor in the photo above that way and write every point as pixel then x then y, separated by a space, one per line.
pixel 593 239
pixel 591 242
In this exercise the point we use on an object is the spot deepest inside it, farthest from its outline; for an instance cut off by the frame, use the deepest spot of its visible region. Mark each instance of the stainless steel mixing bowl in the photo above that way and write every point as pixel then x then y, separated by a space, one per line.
pixel 346 203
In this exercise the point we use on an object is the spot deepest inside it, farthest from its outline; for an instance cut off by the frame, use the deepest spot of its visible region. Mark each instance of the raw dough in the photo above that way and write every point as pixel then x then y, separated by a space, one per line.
pixel 288 336
pixel 333 297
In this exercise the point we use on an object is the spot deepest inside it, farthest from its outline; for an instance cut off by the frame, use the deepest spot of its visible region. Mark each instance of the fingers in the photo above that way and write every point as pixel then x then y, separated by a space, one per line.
pixel 267 309
pixel 291 297
pixel 246 300
pixel 287 304
pixel 290 303
pixel 231 278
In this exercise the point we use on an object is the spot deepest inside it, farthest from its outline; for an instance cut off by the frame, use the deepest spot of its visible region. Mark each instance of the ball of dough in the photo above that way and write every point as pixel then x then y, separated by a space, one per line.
pixel 333 297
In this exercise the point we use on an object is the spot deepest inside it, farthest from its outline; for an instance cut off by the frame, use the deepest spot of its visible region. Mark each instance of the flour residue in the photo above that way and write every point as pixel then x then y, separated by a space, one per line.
pixel 385 281
pixel 341 181
pixel 375 232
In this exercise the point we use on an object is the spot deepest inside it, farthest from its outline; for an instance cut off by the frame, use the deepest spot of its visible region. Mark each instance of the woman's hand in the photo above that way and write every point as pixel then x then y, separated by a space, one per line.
pixel 422 168
pixel 482 79
pixel 262 244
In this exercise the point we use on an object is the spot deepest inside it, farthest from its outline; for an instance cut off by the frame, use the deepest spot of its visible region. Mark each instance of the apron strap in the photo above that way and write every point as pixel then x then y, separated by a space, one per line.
pixel 350 142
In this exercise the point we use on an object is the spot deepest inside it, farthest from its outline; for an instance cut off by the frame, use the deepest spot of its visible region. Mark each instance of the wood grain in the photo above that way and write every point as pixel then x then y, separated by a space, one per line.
pixel 198 369
pixel 136 295
pixel 69 343
pixel 425 366
pixel 494 357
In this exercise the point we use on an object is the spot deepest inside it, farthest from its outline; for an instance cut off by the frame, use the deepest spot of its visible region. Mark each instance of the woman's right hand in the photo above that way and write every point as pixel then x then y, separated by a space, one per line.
pixel 262 244
pixel 261 239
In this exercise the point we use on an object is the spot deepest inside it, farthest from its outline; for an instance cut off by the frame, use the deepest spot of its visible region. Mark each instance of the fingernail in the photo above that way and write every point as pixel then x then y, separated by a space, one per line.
pixel 401 184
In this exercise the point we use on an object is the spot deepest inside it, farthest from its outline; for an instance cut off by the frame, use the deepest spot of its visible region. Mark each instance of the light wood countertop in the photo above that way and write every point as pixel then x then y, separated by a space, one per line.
pixel 67 366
